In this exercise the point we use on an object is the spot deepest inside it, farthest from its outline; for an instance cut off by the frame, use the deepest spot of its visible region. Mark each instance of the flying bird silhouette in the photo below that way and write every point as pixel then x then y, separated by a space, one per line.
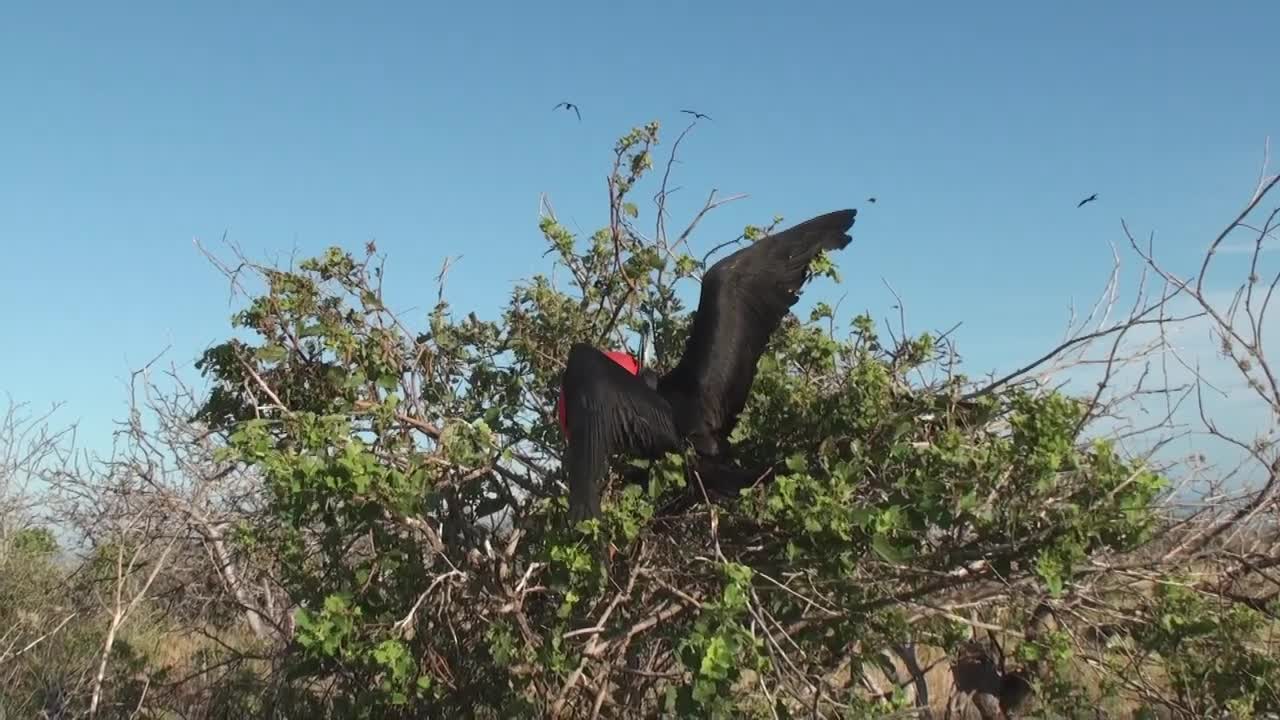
pixel 696 115
pixel 608 404
pixel 1091 198
pixel 871 200
pixel 569 106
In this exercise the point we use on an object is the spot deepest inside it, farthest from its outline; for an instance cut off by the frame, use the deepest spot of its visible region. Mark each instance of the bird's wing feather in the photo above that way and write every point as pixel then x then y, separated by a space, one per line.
pixel 744 297
pixel 609 411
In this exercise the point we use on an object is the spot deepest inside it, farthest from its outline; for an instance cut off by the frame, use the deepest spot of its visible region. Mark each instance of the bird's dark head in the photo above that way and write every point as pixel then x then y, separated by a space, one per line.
pixel 649 377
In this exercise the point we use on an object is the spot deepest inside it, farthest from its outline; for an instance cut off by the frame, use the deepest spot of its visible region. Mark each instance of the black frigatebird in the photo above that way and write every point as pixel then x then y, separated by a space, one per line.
pixel 609 405
pixel 696 115
pixel 1091 198
pixel 569 106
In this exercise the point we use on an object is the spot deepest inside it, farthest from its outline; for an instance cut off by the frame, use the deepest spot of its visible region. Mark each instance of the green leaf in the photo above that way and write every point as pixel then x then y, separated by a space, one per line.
pixel 889 551
pixel 271 353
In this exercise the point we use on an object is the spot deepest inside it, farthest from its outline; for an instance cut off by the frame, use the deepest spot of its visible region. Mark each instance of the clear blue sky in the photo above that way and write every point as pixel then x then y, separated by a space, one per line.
pixel 128 130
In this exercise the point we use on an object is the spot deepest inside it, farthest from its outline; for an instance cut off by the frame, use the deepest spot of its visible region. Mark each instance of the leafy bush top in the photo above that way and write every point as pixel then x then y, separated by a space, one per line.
pixel 899 486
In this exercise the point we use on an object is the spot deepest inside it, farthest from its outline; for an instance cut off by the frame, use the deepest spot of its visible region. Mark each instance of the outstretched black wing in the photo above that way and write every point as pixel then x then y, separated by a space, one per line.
pixel 608 411
pixel 744 298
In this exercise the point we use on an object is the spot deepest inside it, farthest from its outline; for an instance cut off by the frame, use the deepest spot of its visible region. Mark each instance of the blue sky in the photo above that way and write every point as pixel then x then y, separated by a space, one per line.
pixel 428 127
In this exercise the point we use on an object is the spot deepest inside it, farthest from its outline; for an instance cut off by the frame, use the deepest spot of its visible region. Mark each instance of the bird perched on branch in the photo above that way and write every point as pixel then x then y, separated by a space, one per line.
pixel 609 404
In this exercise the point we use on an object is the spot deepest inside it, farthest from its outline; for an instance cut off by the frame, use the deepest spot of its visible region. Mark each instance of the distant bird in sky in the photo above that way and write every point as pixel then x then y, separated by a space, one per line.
pixel 871 200
pixel 1091 198
pixel 696 115
pixel 569 106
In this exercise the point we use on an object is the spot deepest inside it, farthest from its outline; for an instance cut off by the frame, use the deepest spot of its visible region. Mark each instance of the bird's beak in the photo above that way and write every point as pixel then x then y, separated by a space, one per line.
pixel 643 356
